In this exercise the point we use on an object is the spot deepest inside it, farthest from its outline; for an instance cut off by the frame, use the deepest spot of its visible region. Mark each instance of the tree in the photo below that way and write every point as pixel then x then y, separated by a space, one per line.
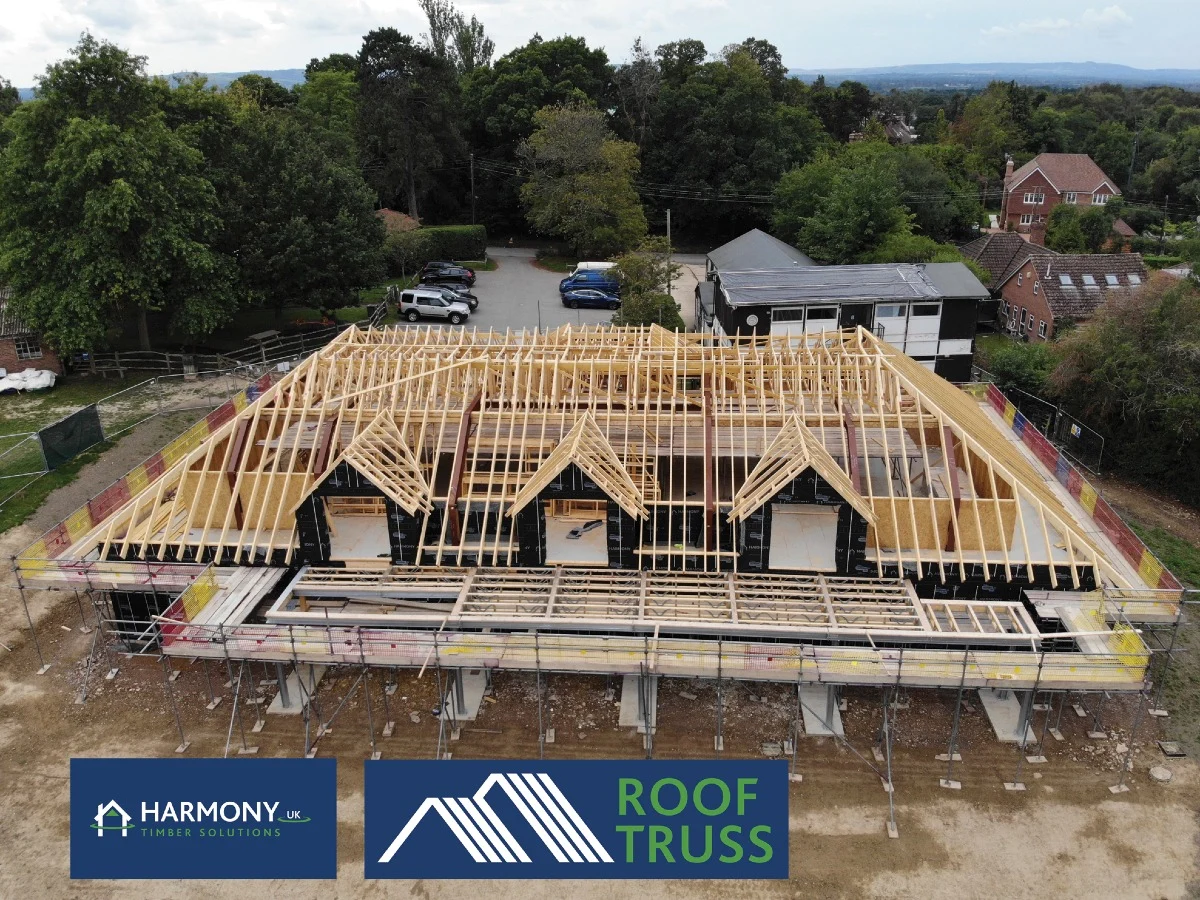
pixel 334 62
pixel 916 248
pixel 647 269
pixel 472 48
pixel 1096 223
pixel 580 185
pixel 649 309
pixel 1022 366
pixel 1063 232
pixel 842 206
pixel 407 116
pixel 1131 371
pixel 327 102
pixel 636 84
pixel 861 210
pixel 10 98
pixel 268 93
pixel 645 274
pixel 104 209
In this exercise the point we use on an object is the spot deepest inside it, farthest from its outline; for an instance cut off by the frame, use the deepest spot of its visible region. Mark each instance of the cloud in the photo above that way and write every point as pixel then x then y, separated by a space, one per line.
pixel 1031 26
pixel 106 15
pixel 1107 19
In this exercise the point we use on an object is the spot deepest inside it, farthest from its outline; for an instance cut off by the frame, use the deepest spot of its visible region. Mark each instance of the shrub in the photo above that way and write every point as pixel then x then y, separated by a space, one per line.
pixel 407 251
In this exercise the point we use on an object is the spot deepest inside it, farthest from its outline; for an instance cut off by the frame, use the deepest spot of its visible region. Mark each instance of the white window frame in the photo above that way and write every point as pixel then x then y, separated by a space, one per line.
pixel 1042 329
pixel 1036 287
pixel 1071 197
pixel 28 346
pixel 1100 198
pixel 1134 279
pixel 1065 280
pixel 1034 198
pixel 1020 278
pixel 1027 218
pixel 1024 317
pixel 1111 280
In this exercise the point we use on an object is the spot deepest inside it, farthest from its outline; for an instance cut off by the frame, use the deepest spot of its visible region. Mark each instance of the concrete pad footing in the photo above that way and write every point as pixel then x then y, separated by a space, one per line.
pixel 214 704
pixel 718 743
pixel 1098 735
pixel 1158 713
pixel 182 748
pixel 549 735
pixel 474 683
pixel 1003 709
pixel 795 778
pixel 631 715
pixel 1118 788
pixel 950 784
pixel 946 757
pixel 108 676
pixel 891 830
pixel 297 690
pixel 1056 734
pixel 1035 760
pixel 259 726
pixel 1014 785
pixel 822 717
pixel 376 754
pixel 388 729
pixel 247 751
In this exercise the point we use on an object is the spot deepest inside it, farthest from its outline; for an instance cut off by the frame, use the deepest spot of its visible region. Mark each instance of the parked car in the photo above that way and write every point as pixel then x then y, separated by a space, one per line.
pixel 442 273
pixel 456 293
pixel 591 267
pixel 602 280
pixel 591 298
pixel 432 304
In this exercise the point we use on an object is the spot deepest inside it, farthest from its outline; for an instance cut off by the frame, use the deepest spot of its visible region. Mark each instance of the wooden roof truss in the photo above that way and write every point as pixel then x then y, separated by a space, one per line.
pixel 662 422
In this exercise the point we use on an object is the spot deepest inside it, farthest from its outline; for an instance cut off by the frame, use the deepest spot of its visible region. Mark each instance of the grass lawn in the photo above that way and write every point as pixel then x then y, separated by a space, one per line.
pixel 1182 558
pixel 31 411
pixel 562 264
pixel 17 510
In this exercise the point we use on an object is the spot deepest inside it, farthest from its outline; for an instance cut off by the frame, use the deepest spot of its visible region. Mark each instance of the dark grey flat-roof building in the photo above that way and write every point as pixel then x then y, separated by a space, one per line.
pixel 928 310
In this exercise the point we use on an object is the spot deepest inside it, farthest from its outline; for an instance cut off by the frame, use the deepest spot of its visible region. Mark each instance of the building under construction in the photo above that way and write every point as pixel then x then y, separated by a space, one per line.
pixel 624 501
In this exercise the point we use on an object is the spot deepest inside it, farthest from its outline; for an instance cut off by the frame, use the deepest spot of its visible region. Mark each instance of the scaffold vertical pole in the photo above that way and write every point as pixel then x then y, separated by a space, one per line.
pixel 1156 709
pixel 1023 728
pixel 719 740
pixel 537 663
pixel 440 712
pixel 952 750
pixel 213 700
pixel 1127 763
pixel 797 724
pixel 44 666
pixel 887 750
pixel 366 680
pixel 83 625
pixel 184 743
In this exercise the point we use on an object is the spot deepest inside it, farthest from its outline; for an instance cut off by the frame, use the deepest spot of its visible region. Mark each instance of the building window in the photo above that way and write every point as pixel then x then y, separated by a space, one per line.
pixel 28 347
pixel 1027 219
pixel 1020 278
pixel 1006 309
pixel 1135 279
pixel 1042 329
pixel 1089 281
pixel 1034 198
pixel 1065 280
pixel 1111 280
pixel 1071 197
pixel 1024 316
pixel 1037 285
pixel 927 309
pixel 816 313
pixel 891 311
pixel 788 314
pixel 1100 199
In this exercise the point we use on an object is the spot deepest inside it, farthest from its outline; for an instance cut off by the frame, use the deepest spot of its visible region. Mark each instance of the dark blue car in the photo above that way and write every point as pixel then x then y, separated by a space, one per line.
pixel 597 280
pixel 590 298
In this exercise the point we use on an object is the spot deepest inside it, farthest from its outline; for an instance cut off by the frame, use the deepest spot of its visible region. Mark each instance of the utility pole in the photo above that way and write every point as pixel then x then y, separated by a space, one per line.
pixel 1162 235
pixel 668 252
pixel 472 188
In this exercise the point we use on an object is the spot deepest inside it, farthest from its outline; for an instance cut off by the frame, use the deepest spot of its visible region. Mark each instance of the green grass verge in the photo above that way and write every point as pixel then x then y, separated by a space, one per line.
pixel 986 345
pixel 482 265
pixel 562 264
pixel 25 504
pixel 1181 557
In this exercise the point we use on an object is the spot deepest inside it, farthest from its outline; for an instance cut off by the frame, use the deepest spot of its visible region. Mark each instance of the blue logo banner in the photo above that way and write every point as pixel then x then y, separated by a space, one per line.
pixel 203 818
pixel 576 819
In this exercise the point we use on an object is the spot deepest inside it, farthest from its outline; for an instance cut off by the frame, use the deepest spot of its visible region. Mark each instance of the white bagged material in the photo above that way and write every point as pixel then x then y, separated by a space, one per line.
pixel 28 380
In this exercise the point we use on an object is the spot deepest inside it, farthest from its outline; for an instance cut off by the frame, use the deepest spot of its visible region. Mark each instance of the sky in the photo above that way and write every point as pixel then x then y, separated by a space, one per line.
pixel 237 35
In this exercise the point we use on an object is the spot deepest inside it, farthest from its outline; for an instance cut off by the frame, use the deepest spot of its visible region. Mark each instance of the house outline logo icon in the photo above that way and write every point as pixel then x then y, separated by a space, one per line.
pixel 483 835
pixel 112 808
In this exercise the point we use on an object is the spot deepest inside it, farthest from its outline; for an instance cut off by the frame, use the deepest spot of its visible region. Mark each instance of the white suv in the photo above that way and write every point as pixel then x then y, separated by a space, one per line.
pixel 432 304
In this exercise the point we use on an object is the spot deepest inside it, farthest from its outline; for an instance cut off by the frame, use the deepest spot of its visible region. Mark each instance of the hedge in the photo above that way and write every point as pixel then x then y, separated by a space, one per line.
pixel 407 251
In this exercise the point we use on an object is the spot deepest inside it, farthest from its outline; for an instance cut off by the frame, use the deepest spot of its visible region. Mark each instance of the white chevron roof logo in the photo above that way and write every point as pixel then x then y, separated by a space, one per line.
pixel 485 837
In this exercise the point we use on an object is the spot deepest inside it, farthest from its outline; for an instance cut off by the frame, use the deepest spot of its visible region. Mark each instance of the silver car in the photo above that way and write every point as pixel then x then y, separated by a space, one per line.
pixel 432 304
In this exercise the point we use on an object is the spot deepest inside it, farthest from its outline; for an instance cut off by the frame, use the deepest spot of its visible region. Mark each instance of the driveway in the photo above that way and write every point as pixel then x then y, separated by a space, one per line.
pixel 519 295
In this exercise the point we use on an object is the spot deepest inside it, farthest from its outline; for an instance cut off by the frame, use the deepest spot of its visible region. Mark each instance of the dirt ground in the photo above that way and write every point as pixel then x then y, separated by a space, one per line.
pixel 1066 836
pixel 1152 509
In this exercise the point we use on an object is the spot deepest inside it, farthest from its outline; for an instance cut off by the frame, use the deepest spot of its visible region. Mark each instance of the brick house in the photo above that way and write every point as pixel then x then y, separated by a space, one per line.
pixel 20 347
pixel 1043 291
pixel 1000 254
pixel 1047 180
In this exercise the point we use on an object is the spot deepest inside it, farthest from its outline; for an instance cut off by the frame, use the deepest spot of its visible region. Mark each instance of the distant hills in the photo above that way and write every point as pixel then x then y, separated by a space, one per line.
pixel 936 76
pixel 977 75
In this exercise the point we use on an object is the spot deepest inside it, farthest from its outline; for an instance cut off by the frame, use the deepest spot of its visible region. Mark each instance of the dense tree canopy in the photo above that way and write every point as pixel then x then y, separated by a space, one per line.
pixel 580 185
